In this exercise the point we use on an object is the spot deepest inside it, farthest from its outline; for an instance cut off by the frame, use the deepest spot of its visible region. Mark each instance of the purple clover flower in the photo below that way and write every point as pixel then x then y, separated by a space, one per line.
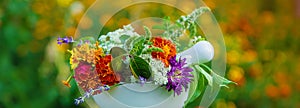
pixel 179 75
pixel 66 40
pixel 142 80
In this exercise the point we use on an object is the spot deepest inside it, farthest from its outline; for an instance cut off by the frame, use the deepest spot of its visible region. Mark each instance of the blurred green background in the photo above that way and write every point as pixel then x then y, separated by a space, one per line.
pixel 261 36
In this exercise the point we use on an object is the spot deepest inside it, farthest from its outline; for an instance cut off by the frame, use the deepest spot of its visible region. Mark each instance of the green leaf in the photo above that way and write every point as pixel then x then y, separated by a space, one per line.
pixel 152 49
pixel 179 24
pixel 212 79
pixel 120 65
pixel 221 81
pixel 193 87
pixel 117 64
pixel 147 32
pixel 138 40
pixel 192 29
pixel 117 51
pixel 167 20
pixel 208 77
pixel 199 90
pixel 138 46
pixel 139 67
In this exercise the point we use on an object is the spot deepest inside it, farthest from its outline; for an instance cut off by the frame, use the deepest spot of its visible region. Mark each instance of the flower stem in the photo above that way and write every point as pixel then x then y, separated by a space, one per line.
pixel 67 82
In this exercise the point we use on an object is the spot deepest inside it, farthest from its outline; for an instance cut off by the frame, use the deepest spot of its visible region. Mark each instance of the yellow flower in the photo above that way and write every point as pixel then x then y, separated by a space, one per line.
pixel 84 52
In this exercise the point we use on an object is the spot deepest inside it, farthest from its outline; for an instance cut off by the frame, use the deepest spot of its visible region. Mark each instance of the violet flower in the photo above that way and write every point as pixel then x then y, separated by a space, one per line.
pixel 106 87
pixel 65 40
pixel 142 80
pixel 78 101
pixel 179 75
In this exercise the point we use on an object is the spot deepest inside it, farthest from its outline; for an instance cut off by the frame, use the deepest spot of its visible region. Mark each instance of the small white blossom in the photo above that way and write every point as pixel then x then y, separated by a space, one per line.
pixel 158 69
pixel 114 37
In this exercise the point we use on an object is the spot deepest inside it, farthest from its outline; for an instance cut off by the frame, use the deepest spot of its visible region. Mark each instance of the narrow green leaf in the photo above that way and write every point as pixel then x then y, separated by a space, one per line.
pixel 179 24
pixel 193 86
pixel 206 75
pixel 221 81
pixel 199 90
pixel 139 67
pixel 192 29
pixel 198 85
pixel 166 23
pixel 138 39
pixel 138 46
pixel 152 49
pixel 147 31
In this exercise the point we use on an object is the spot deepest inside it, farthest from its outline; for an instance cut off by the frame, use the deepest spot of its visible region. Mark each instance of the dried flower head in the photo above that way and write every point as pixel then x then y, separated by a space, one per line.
pixel 86 77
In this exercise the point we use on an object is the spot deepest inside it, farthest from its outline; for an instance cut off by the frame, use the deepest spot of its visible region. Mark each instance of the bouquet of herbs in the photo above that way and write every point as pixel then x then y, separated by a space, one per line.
pixel 124 56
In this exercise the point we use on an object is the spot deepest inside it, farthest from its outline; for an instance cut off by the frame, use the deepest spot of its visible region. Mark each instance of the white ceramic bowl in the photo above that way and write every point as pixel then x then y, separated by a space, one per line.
pixel 150 95
pixel 135 96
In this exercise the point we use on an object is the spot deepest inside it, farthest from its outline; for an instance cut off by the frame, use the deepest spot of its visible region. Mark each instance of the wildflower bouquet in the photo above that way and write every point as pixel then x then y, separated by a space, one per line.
pixel 126 57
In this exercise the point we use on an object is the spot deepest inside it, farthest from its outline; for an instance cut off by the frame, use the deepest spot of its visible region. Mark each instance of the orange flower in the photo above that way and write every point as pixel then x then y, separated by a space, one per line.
pixel 106 74
pixel 167 46
pixel 66 83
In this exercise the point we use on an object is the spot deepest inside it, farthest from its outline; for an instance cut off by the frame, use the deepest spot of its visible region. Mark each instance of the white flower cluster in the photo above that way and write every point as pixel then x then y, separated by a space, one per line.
pixel 113 39
pixel 158 69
